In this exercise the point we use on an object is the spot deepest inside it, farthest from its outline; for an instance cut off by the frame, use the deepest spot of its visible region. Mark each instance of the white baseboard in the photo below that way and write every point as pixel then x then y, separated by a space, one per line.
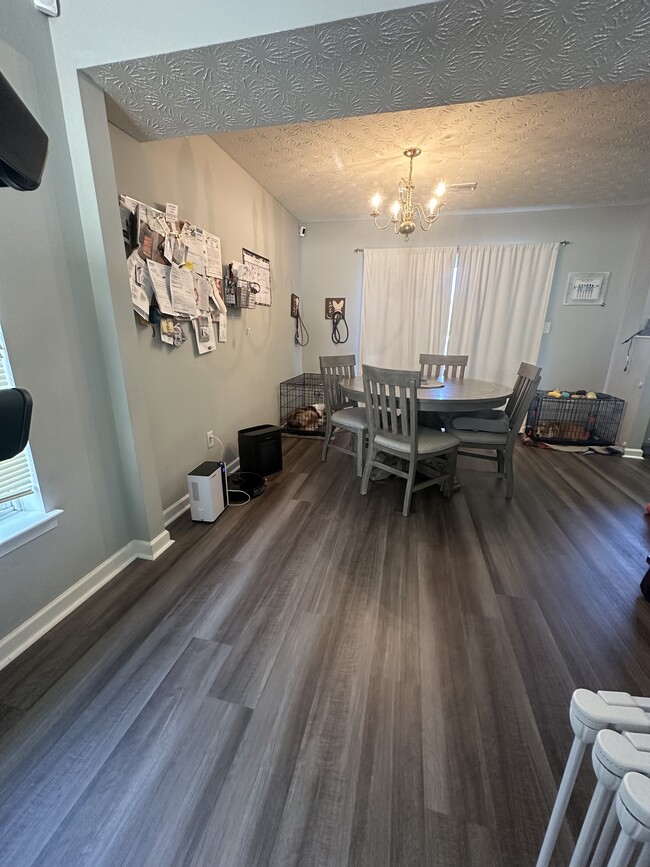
pixel 31 630
pixel 634 454
pixel 153 549
pixel 176 509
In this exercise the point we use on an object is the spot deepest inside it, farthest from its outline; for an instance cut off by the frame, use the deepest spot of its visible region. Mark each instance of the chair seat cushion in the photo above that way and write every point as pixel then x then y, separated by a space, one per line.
pixel 481 438
pixel 491 420
pixel 429 442
pixel 353 418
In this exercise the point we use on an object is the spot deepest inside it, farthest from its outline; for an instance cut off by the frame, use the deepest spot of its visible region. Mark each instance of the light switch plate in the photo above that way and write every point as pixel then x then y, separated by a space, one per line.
pixel 547 328
pixel 48 7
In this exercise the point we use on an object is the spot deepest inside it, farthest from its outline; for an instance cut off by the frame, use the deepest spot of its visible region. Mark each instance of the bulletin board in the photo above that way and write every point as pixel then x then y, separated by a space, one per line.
pixel 175 274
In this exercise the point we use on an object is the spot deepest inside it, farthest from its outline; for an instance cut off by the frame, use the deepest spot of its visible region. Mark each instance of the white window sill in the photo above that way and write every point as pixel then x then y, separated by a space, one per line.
pixel 25 526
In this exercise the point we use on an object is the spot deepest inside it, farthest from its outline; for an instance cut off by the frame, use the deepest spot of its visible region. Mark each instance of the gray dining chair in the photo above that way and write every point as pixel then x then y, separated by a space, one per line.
pixel 497 430
pixel 391 408
pixel 340 411
pixel 431 366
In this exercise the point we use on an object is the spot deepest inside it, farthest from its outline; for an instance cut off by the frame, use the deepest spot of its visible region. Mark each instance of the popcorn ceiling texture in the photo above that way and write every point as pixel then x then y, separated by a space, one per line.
pixel 438 54
pixel 574 147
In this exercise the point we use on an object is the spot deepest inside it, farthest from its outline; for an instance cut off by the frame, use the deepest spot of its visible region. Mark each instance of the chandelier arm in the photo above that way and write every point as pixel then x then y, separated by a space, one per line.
pixel 390 220
pixel 425 221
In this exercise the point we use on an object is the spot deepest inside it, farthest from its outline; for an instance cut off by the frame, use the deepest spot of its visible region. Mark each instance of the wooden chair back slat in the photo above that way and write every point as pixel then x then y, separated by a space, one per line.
pixel 528 379
pixel 391 402
pixel 433 366
pixel 333 368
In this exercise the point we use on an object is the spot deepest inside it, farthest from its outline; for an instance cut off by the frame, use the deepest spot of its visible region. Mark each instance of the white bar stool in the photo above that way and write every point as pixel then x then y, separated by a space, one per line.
pixel 589 714
pixel 633 811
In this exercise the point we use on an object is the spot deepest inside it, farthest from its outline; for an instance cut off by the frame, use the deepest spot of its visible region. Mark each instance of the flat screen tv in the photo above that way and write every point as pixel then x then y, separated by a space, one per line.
pixel 23 143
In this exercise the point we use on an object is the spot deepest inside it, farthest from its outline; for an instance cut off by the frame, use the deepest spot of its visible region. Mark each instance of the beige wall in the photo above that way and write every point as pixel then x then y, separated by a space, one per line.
pixel 237 385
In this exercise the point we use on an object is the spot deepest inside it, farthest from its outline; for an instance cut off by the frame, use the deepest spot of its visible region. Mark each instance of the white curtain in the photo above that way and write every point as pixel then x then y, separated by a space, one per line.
pixel 405 309
pixel 500 300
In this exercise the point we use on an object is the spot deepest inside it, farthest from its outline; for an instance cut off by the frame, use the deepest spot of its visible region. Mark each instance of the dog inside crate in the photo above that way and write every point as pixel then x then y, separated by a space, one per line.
pixel 307 418
pixel 560 430
pixel 578 419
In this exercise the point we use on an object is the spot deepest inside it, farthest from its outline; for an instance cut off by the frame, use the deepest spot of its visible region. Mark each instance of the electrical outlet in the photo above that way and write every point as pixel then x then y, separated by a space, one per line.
pixel 334 305
pixel 547 328
pixel 210 438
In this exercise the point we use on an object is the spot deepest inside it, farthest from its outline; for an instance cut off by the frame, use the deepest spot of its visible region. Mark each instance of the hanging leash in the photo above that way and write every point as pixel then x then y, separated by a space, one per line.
pixel 337 319
pixel 302 335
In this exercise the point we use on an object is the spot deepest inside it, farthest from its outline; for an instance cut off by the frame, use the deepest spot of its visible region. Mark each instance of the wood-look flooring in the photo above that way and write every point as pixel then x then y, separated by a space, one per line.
pixel 316 680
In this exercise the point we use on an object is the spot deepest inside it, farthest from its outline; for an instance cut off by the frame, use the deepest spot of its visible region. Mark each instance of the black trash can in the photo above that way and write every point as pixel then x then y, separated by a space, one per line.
pixel 260 449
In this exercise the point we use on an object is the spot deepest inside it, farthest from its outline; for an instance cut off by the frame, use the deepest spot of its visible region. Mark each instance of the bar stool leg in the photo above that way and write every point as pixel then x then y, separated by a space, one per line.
pixel 599 805
pixel 623 851
pixel 644 857
pixel 561 802
pixel 606 837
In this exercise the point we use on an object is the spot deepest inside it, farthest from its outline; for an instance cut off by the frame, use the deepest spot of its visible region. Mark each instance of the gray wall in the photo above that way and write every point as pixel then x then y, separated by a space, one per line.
pixel 577 351
pixel 63 274
pixel 48 317
pixel 633 384
pixel 237 385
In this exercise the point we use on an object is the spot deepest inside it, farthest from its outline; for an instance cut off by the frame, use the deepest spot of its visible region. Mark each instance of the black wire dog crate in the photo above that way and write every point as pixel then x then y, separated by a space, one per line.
pixel 302 405
pixel 575 421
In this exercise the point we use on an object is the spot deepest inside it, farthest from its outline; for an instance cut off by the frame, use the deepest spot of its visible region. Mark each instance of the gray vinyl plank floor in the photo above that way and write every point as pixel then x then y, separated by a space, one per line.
pixel 316 681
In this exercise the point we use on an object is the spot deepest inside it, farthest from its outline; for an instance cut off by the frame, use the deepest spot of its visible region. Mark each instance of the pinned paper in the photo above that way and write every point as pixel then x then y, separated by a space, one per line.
pixel 213 266
pixel 139 285
pixel 204 333
pixel 181 286
pixel 159 276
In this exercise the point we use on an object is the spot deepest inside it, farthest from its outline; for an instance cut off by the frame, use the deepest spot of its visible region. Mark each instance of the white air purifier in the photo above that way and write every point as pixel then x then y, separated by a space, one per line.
pixel 208 489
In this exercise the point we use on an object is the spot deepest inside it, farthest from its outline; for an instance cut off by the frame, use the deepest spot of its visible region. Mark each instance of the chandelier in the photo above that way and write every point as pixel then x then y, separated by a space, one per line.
pixel 403 211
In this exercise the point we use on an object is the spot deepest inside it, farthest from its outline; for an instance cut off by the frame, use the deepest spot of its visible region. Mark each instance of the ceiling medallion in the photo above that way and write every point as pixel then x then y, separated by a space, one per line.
pixel 403 211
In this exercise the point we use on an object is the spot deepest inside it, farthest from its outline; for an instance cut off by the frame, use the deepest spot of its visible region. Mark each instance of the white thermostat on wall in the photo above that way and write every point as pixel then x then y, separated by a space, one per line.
pixel 49 7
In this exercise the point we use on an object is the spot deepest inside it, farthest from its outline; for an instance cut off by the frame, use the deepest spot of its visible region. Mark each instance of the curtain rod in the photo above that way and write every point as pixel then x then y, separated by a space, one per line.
pixel 361 249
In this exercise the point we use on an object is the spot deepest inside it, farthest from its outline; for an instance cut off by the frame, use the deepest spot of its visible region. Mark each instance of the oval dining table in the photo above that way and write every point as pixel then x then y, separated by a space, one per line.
pixel 451 395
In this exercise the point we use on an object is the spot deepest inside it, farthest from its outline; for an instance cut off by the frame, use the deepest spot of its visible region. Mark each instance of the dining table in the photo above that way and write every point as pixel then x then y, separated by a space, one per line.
pixel 444 395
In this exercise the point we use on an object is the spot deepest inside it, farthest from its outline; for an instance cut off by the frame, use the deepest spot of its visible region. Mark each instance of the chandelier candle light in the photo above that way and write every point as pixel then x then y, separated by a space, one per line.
pixel 403 211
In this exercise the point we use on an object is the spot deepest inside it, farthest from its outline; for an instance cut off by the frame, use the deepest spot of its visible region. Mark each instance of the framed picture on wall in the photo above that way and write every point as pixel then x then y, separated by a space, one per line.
pixel 587 288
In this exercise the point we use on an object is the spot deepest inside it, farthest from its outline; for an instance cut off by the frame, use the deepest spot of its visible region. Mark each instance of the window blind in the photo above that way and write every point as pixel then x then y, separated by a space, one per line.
pixel 16 476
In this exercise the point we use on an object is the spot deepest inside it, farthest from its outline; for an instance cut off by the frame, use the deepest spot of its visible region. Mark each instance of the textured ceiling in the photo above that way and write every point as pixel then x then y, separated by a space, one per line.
pixel 571 147
pixel 452 51
pixel 542 102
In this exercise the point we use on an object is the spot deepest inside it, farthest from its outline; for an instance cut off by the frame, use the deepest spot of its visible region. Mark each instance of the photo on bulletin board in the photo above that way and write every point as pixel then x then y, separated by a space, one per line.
pixel 259 270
